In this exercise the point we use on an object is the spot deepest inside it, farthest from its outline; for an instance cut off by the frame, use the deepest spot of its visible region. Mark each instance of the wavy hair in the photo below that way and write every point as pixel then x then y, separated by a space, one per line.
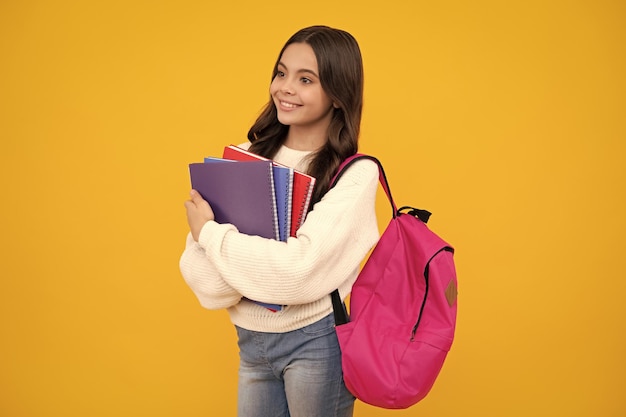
pixel 340 67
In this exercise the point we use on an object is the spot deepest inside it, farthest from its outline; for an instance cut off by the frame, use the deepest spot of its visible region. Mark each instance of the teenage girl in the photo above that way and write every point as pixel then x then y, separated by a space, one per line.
pixel 290 361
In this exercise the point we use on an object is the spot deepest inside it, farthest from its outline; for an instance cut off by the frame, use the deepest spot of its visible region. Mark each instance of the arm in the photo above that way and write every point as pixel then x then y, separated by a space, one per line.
pixel 327 251
pixel 212 292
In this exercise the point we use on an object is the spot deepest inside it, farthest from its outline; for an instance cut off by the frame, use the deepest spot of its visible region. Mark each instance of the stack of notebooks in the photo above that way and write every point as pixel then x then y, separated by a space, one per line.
pixel 257 195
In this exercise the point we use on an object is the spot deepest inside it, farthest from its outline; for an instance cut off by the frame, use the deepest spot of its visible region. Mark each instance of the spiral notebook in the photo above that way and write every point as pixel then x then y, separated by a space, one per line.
pixel 241 194
pixel 302 186
pixel 283 187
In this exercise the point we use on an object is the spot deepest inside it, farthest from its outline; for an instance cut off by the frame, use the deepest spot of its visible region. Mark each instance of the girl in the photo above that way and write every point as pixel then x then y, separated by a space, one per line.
pixel 290 362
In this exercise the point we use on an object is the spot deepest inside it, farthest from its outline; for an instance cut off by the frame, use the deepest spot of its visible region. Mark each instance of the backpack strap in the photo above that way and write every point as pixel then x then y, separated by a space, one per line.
pixel 421 214
pixel 382 178
pixel 339 308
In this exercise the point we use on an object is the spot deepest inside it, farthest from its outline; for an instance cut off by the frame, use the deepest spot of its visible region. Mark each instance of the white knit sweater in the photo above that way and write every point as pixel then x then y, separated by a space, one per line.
pixel 224 265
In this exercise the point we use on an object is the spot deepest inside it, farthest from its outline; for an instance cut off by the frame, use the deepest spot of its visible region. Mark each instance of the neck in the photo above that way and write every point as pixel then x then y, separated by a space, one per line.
pixel 301 141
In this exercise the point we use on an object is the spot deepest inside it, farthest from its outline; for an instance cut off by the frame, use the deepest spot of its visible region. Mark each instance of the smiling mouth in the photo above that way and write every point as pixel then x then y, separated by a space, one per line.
pixel 288 105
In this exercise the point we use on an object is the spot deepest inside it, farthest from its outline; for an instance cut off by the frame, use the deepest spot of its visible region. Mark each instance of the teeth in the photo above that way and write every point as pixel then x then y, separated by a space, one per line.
pixel 289 105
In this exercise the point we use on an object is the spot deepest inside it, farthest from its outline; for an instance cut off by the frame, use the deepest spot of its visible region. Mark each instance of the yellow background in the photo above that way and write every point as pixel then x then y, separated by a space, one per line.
pixel 505 119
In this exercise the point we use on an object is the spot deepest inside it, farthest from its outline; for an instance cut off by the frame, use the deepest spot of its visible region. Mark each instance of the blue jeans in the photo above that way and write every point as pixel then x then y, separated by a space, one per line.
pixel 294 374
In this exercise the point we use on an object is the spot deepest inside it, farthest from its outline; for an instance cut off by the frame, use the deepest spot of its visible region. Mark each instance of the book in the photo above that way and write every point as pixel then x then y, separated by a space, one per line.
pixel 303 185
pixel 241 194
pixel 283 186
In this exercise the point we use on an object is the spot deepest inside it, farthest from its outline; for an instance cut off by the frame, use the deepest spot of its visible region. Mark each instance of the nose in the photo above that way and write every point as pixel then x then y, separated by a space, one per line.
pixel 286 89
pixel 287 86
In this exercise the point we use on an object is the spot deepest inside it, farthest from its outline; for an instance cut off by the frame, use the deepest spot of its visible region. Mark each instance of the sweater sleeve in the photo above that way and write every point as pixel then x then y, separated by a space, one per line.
pixel 328 248
pixel 202 277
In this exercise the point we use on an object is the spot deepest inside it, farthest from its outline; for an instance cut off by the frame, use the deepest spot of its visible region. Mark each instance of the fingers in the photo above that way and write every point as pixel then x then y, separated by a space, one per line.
pixel 196 197
pixel 199 206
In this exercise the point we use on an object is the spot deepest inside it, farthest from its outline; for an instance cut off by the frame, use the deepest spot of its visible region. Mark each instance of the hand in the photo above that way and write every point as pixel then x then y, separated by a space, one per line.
pixel 198 213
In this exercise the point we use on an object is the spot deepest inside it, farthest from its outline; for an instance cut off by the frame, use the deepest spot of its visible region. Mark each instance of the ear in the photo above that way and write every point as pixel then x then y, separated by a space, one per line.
pixel 335 105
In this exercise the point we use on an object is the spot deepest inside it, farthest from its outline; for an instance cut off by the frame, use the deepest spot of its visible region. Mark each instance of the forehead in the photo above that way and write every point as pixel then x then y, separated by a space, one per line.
pixel 299 56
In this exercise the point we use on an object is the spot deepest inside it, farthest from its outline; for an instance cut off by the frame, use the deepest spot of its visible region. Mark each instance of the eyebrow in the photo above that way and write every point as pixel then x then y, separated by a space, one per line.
pixel 300 71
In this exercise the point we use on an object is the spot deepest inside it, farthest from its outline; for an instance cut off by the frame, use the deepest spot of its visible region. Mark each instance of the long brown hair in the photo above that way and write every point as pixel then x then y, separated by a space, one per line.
pixel 340 68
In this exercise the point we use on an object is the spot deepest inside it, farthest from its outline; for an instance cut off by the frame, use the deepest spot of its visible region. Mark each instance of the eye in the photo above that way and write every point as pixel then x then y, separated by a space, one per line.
pixel 280 74
pixel 306 80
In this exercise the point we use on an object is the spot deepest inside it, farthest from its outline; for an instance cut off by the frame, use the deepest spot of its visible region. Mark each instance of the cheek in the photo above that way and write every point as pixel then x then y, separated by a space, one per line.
pixel 273 87
pixel 324 100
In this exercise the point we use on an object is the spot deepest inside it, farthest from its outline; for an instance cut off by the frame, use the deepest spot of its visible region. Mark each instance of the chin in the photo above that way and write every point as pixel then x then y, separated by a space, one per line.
pixel 284 120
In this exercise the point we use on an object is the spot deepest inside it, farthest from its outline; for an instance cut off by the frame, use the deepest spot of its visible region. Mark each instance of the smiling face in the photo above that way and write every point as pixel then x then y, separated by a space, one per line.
pixel 300 101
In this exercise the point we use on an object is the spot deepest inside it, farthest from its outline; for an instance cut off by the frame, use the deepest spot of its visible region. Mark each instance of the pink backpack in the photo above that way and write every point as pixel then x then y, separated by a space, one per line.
pixel 402 310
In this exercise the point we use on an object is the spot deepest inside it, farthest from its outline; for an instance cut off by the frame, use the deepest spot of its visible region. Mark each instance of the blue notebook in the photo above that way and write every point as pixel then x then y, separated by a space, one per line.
pixel 283 185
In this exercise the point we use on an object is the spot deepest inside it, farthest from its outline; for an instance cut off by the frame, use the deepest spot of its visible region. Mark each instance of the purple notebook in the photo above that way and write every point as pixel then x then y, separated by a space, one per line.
pixel 241 194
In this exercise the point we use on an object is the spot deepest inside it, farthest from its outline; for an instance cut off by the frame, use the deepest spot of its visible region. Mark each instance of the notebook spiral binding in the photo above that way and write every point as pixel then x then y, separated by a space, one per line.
pixel 288 203
pixel 270 175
